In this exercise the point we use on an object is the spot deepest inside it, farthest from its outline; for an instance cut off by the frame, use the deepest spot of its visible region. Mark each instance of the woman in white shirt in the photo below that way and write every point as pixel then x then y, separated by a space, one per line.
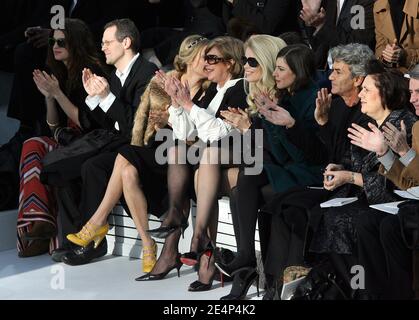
pixel 188 120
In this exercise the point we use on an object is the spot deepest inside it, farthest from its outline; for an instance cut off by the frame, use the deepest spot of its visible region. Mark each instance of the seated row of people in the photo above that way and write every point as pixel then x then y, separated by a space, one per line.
pixel 296 129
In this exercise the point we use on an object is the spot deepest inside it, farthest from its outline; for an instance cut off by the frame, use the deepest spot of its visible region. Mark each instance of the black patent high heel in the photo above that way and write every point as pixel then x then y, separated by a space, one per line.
pixel 200 286
pixel 165 231
pixel 191 258
pixel 150 277
pixel 243 279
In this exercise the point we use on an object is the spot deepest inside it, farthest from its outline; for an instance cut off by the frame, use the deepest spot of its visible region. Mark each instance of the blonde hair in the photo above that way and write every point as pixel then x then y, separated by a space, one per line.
pixel 189 48
pixel 230 49
pixel 265 48
pixel 155 98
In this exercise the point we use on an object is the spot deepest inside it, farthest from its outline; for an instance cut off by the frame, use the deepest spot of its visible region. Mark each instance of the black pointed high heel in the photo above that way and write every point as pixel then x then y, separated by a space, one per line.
pixel 197 285
pixel 242 281
pixel 151 277
pixel 191 258
pixel 165 231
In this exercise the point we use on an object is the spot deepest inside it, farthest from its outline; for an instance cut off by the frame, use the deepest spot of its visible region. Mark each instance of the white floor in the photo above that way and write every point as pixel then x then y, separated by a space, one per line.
pixel 109 278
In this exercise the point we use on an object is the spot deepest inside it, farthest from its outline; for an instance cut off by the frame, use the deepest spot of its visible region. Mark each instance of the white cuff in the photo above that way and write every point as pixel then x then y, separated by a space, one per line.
pixel 193 114
pixel 175 111
pixel 408 157
pixel 387 160
pixel 92 102
pixel 106 103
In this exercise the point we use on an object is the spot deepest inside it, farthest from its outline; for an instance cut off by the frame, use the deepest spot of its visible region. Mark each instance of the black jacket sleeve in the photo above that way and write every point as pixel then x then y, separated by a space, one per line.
pixel 344 33
pixel 123 111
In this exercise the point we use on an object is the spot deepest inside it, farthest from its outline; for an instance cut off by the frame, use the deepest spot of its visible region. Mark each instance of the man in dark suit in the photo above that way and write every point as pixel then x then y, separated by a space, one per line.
pixel 331 23
pixel 114 104
pixel 269 16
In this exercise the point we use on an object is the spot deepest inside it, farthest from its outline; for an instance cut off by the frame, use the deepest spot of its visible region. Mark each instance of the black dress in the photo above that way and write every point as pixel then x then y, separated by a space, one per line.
pixel 152 175
pixel 335 231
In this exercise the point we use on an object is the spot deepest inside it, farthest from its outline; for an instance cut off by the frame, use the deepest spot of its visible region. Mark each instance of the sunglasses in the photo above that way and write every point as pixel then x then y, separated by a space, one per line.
pixel 252 62
pixel 213 59
pixel 60 42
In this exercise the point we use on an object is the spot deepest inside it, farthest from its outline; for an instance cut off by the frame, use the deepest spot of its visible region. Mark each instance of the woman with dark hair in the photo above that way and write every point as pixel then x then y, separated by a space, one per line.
pixel 70 50
pixel 349 235
pixel 284 165
pixel 399 163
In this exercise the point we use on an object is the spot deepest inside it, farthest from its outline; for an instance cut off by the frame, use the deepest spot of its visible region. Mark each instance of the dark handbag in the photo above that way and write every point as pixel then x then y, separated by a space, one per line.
pixel 64 164
pixel 321 283
pixel 66 135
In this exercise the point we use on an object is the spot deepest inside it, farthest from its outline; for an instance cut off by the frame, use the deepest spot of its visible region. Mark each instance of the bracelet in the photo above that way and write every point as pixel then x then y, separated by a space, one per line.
pixel 52 124
pixel 352 181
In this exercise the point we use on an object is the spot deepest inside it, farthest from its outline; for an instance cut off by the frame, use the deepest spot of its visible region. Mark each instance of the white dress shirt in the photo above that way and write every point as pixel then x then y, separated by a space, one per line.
pixel 106 103
pixel 340 4
pixel 72 6
pixel 200 121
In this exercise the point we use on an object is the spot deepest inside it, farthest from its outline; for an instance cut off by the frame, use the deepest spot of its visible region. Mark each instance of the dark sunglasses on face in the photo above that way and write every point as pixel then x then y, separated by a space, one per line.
pixel 213 59
pixel 252 62
pixel 60 42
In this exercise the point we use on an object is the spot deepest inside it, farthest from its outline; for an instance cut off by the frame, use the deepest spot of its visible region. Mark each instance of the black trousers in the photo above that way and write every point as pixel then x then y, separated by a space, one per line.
pixel 78 201
pixel 382 254
pixel 398 259
pixel 96 173
pixel 282 240
pixel 284 231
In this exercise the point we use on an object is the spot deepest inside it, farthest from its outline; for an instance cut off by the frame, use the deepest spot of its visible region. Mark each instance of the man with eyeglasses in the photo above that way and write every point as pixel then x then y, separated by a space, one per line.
pixel 113 104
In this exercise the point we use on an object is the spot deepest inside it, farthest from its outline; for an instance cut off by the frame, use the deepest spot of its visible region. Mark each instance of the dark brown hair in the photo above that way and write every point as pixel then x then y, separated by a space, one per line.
pixel 82 51
pixel 126 28
pixel 301 61
pixel 393 87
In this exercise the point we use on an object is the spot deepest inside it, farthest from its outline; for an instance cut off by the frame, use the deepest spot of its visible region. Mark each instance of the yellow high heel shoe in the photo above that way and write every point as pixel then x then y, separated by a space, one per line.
pixel 149 257
pixel 89 233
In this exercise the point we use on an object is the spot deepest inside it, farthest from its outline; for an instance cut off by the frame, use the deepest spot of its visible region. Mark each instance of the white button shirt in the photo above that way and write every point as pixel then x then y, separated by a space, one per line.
pixel 106 103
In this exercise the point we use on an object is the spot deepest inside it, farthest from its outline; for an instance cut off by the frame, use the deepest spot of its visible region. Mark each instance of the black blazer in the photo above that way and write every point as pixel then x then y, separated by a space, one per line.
pixel 127 97
pixel 331 35
pixel 234 97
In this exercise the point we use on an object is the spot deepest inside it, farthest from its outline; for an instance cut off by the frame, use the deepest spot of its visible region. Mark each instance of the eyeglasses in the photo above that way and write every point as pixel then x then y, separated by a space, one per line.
pixel 195 42
pixel 213 59
pixel 106 43
pixel 60 42
pixel 252 62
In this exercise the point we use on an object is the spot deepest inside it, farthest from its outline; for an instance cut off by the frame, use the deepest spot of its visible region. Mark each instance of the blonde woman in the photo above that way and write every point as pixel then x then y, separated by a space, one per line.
pixel 136 175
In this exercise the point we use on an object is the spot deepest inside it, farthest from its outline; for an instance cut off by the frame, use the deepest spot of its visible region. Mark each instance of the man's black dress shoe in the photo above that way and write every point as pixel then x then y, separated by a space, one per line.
pixel 58 253
pixel 83 255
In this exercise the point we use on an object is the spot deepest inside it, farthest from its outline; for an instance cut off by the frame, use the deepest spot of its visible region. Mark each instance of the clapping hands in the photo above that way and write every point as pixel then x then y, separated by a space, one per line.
pixel 237 118
pixel 312 14
pixel 379 141
pixel 273 113
pixel 47 84
pixel 95 85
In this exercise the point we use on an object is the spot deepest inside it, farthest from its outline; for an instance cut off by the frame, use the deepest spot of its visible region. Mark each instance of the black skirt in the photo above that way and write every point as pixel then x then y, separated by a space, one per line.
pixel 153 176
